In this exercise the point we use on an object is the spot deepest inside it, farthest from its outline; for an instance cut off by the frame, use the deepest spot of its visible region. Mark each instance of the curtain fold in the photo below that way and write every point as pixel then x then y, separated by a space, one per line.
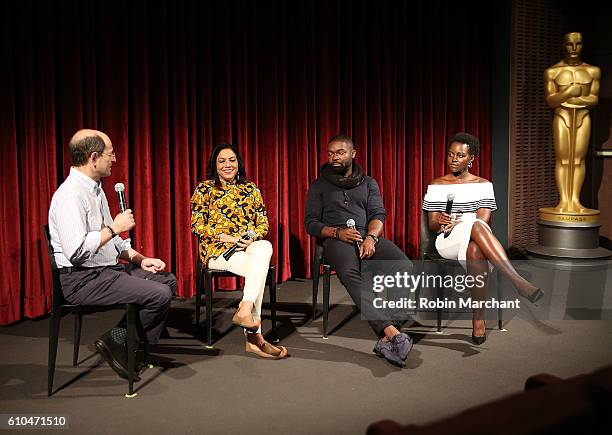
pixel 167 82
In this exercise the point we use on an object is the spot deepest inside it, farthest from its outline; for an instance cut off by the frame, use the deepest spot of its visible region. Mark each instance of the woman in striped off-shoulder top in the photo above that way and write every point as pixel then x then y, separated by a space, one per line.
pixel 465 234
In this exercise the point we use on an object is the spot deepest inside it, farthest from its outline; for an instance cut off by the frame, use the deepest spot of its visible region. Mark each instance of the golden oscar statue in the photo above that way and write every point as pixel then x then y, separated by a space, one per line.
pixel 572 89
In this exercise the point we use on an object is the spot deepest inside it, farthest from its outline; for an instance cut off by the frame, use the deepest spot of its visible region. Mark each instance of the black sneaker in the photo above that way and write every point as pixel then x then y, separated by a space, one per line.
pixel 115 355
pixel 403 342
pixel 389 351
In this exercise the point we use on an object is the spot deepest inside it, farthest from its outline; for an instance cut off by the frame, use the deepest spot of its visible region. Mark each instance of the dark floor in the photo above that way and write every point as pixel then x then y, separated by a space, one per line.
pixel 332 386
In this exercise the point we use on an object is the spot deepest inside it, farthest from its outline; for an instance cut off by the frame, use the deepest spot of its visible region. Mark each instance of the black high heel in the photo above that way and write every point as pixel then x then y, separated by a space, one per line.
pixel 479 340
pixel 535 296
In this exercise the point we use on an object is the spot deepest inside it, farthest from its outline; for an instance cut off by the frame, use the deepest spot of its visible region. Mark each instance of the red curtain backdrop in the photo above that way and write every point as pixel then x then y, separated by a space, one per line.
pixel 166 81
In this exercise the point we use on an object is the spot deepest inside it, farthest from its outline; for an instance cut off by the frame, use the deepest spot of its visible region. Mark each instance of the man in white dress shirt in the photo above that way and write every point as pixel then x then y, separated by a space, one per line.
pixel 87 248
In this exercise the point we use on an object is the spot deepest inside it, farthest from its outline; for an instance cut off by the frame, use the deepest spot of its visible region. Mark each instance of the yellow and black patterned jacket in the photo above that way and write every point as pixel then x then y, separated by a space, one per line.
pixel 232 209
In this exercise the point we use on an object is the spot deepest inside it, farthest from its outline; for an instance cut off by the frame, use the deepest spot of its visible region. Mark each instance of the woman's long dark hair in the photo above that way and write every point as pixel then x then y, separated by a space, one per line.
pixel 211 170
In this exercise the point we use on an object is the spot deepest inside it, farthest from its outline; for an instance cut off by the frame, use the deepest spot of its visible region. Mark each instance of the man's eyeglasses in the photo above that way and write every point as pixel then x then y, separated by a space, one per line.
pixel 111 155
pixel 339 153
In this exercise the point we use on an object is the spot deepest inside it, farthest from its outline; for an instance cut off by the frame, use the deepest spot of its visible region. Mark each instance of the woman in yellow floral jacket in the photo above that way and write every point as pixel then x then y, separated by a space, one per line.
pixel 224 209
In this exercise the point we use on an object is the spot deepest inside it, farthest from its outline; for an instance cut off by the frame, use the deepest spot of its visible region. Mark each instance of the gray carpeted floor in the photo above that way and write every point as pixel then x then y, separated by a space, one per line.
pixel 332 386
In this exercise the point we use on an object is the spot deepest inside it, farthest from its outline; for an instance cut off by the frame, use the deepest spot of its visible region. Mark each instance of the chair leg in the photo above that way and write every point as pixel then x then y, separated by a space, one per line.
pixel 198 305
pixel 208 288
pixel 142 338
pixel 131 342
pixel 198 300
pixel 439 312
pixel 315 291
pixel 500 311
pixel 78 322
pixel 54 326
pixel 145 355
pixel 272 287
pixel 326 289
pixel 315 272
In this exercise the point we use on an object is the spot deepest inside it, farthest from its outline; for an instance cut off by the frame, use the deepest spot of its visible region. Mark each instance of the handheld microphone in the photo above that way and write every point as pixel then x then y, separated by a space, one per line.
pixel 120 189
pixel 351 224
pixel 450 198
pixel 227 254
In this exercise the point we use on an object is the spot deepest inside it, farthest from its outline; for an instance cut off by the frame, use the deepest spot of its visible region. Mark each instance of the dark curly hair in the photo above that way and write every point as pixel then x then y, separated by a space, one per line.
pixel 471 141
pixel 211 169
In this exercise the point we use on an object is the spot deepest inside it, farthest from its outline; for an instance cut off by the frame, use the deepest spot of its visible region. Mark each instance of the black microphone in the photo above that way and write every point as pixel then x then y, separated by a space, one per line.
pixel 227 254
pixel 449 207
pixel 120 189
pixel 351 224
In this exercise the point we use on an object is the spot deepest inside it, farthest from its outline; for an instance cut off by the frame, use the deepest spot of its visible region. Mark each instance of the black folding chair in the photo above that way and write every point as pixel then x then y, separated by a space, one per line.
pixel 318 261
pixel 61 307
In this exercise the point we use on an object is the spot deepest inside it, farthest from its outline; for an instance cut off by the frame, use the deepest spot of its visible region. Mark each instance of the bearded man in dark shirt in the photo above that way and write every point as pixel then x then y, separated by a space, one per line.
pixel 341 193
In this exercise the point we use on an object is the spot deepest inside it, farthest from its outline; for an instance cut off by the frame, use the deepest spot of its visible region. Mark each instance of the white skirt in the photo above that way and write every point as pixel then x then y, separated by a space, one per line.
pixel 454 246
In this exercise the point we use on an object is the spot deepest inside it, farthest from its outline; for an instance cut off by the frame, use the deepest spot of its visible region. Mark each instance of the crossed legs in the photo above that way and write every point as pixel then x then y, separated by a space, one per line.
pixel 484 247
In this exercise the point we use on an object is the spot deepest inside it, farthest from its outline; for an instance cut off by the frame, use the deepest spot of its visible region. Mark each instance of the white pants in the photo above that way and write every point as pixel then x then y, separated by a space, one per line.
pixel 253 264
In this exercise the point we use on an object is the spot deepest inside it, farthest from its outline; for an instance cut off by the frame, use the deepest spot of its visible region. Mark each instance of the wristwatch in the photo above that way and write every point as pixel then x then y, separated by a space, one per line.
pixel 373 237
pixel 113 233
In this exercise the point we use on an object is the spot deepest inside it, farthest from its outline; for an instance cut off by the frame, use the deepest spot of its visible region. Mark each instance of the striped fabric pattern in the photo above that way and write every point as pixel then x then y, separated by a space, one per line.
pixel 78 213
pixel 469 197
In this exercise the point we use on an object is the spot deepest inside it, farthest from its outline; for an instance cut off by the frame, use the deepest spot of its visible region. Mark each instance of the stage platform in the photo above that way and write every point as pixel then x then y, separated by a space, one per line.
pixel 334 386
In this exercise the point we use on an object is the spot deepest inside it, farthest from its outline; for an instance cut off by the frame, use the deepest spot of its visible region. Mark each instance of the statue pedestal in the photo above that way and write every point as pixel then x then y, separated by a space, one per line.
pixel 552 214
pixel 572 240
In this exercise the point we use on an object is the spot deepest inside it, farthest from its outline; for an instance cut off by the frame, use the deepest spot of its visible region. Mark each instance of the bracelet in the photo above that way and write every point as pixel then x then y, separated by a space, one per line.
pixel 373 238
pixel 336 233
pixel 113 233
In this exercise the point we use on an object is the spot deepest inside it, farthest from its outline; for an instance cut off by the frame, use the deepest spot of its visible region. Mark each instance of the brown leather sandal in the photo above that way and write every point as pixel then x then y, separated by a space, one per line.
pixel 268 350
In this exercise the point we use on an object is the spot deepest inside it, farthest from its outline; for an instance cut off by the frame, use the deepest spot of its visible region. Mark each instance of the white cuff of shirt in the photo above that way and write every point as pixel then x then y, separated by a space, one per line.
pixel 122 245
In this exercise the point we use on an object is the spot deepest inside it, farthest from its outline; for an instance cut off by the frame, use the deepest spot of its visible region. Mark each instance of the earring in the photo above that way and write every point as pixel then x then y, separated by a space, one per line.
pixel 238 176
pixel 470 164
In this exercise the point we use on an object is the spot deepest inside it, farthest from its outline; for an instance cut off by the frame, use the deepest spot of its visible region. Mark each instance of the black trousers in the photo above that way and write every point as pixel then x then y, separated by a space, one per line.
pixel 123 284
pixel 343 258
